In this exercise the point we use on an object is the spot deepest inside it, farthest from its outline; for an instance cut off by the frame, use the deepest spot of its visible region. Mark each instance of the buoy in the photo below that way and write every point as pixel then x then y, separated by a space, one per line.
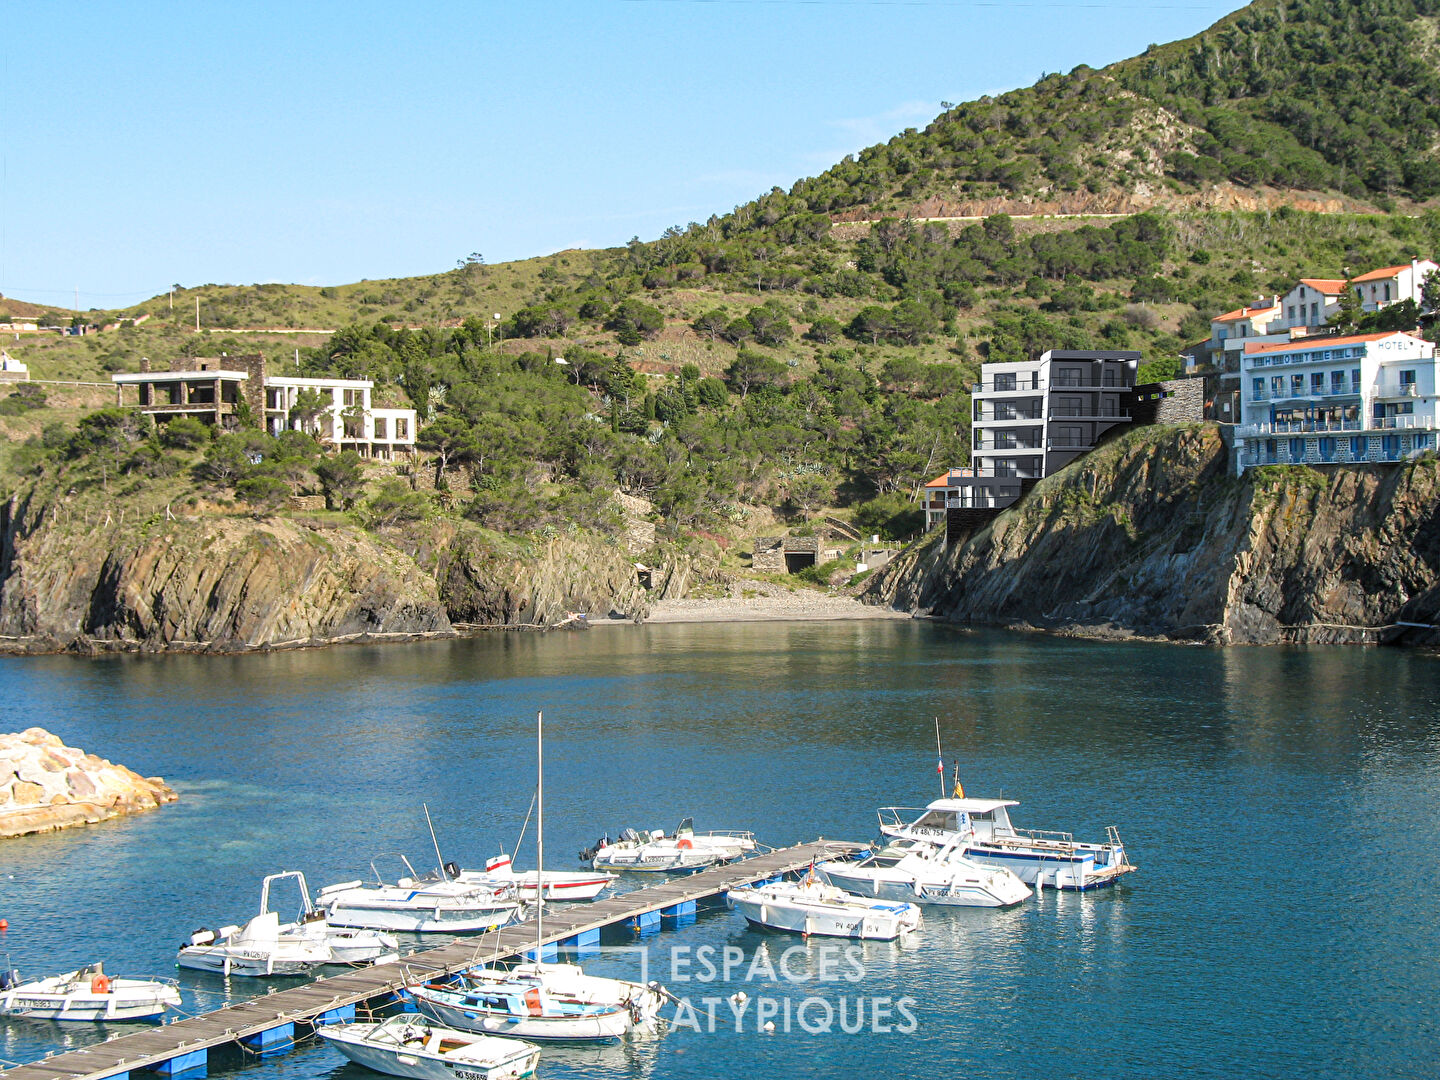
pixel 769 1025
pixel 4 924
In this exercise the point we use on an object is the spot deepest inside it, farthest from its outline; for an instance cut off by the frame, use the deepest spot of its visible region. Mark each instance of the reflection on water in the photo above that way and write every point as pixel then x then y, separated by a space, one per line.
pixel 1280 803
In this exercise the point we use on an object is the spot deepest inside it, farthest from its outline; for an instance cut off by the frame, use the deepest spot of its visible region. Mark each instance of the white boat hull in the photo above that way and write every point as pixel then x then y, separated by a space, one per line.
pixel 1041 868
pixel 228 962
pixel 507 1060
pixel 612 1025
pixel 423 921
pixel 128 999
pixel 857 918
pixel 559 885
pixel 938 892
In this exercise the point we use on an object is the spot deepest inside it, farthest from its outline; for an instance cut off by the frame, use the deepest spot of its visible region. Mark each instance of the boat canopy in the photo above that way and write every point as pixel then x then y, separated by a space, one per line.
pixel 971 806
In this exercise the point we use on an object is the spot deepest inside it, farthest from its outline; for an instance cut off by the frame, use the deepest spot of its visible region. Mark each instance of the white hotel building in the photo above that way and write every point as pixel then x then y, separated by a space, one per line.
pixel 1323 400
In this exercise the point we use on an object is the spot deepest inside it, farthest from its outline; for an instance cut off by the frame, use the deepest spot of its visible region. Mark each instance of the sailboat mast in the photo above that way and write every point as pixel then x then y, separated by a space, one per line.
pixel 439 859
pixel 940 754
pixel 539 835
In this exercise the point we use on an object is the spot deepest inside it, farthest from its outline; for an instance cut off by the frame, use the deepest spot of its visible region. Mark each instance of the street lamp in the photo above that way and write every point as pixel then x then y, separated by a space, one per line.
pixel 490 331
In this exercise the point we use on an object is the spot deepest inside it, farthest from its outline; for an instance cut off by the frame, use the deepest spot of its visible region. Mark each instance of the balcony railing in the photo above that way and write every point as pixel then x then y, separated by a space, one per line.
pixel 995 447
pixel 1397 390
pixel 987 502
pixel 1320 427
pixel 1285 394
pixel 1095 414
pixel 1071 444
pixel 1339 456
pixel 1000 388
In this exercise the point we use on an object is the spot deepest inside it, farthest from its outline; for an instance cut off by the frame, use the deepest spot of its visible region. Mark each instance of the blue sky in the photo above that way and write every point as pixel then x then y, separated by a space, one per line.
pixel 323 143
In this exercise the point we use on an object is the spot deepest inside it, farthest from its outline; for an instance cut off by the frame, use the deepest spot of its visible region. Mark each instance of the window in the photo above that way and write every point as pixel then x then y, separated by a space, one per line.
pixel 381 427
pixel 1222 334
pixel 354 397
pixel 1315 311
pixel 1407 378
pixel 402 428
pixel 1387 292
pixel 1005 382
pixel 1337 382
pixel 1355 380
pixel 1317 382
pixel 1259 389
pixel 1290 313
pixel 1277 385
pixel 1297 385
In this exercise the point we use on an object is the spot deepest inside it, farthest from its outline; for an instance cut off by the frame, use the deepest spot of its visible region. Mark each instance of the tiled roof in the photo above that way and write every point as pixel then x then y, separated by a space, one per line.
pixel 1326 286
pixel 1246 313
pixel 1382 274
pixel 1326 342
pixel 949 478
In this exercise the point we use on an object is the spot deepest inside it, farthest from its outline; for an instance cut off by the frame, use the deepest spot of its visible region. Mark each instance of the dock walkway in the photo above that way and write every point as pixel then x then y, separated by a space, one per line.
pixel 268 1021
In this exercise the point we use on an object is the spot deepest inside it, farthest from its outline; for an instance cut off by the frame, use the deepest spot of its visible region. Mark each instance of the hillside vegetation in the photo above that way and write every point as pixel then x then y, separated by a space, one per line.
pixel 769 360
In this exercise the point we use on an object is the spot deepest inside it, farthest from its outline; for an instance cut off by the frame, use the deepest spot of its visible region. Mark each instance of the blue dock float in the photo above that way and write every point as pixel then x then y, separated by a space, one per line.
pixel 277 1039
pixel 191 1065
pixel 268 1023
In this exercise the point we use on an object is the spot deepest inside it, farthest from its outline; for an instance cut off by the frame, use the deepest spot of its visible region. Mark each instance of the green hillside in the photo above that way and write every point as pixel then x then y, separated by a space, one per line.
pixel 776 359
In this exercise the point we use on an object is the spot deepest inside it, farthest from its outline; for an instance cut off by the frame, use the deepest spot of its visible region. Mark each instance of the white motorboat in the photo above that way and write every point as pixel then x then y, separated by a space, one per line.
pixel 548 1002
pixel 421 905
pixel 655 853
pixel 267 946
pixel 813 907
pixel 920 872
pixel 1037 856
pixel 415 1047
pixel 559 884
pixel 86 994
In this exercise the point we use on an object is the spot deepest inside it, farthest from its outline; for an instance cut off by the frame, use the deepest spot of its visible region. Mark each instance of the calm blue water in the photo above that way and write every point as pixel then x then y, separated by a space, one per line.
pixel 1283 805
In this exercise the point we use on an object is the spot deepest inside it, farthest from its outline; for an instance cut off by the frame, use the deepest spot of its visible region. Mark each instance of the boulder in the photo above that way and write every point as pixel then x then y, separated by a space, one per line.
pixel 47 785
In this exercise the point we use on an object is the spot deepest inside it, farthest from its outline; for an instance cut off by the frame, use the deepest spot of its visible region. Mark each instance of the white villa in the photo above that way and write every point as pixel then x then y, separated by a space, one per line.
pixel 349 420
pixel 1309 304
pixel 213 390
pixel 1322 400
pixel 1393 284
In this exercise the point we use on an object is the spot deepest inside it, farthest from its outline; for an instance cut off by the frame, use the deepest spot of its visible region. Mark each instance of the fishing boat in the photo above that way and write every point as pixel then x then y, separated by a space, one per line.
pixel 413 1046
pixel 1038 857
pixel 86 994
pixel 684 851
pixel 421 905
pixel 267 946
pixel 541 1001
pixel 559 884
pixel 547 1002
pixel 922 872
pixel 810 906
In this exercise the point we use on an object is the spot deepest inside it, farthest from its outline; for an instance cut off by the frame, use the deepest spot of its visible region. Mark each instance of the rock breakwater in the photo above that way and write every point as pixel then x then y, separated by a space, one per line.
pixel 46 785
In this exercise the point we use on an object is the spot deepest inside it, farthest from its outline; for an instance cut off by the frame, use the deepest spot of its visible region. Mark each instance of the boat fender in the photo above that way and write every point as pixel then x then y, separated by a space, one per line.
pixel 100 984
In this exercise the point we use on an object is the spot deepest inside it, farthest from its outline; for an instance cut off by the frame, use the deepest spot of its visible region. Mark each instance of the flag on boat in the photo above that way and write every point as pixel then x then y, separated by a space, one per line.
pixel 940 768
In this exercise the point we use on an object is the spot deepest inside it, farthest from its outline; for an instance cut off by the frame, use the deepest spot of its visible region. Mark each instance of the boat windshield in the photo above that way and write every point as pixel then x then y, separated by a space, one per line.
pixel 889 855
pixel 687 827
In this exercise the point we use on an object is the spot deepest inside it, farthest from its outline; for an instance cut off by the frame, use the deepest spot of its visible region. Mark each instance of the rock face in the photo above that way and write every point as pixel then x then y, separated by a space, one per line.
pixel 223 583
pixel 1151 536
pixel 220 583
pixel 47 785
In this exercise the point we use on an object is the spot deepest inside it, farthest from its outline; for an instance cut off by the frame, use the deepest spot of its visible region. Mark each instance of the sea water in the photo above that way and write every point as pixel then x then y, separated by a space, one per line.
pixel 1283 806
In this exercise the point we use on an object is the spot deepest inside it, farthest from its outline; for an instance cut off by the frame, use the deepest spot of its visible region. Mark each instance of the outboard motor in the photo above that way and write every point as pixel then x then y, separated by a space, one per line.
pixel 9 979
pixel 452 871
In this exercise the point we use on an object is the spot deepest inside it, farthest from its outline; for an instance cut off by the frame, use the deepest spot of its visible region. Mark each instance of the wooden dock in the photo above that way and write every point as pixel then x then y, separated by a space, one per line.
pixel 268 1022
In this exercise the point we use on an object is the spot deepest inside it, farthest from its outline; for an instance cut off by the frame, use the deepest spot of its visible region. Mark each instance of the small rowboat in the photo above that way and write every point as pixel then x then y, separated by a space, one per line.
pixel 813 907
pixel 412 1046
pixel 85 994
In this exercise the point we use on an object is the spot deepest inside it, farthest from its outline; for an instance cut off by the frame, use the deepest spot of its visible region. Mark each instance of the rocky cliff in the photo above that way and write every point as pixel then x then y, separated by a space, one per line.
pixel 47 785
pixel 1151 536
pixel 218 581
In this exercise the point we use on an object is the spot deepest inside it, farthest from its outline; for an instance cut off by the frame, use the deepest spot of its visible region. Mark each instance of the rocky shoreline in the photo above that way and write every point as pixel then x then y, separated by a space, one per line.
pixel 46 785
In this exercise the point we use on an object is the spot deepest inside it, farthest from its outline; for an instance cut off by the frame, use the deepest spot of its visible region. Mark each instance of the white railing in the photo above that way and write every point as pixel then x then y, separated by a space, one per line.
pixel 1321 427
pixel 1352 390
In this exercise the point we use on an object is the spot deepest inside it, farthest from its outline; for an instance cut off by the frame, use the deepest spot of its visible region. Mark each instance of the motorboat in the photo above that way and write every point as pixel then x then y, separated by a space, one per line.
pixel 267 946
pixel 541 1001
pixel 1037 856
pixel 654 852
pixel 416 1047
pixel 86 994
pixel 559 884
pixel 421 905
pixel 810 906
pixel 537 1000
pixel 922 872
